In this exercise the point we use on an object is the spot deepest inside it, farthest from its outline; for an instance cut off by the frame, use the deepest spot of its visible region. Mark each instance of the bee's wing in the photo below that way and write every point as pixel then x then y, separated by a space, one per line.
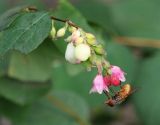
pixel 134 90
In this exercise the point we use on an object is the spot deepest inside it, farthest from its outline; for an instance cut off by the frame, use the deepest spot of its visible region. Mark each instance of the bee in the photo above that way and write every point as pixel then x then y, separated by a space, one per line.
pixel 120 96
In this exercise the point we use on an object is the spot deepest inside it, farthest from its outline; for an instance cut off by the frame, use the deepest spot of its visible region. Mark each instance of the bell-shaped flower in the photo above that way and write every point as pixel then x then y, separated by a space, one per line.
pixel 75 35
pixel 116 77
pixel 61 32
pixel 118 72
pixel 98 85
pixel 70 53
pixel 82 52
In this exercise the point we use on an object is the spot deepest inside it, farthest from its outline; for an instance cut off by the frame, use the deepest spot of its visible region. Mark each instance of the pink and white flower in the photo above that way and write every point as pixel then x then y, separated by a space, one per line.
pixel 119 73
pixel 75 35
pixel 116 77
pixel 98 85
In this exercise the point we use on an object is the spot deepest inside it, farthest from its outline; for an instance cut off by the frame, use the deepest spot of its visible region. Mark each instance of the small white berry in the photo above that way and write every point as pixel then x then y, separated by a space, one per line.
pixel 70 53
pixel 82 52
pixel 53 32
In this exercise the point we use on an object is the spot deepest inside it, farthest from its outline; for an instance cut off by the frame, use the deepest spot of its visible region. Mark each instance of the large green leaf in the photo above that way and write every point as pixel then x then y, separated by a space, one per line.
pixel 61 108
pixel 4 62
pixel 3 5
pixel 36 66
pixel 71 13
pixel 10 16
pixel 137 18
pixel 26 33
pixel 147 98
pixel 97 12
pixel 75 78
pixel 22 92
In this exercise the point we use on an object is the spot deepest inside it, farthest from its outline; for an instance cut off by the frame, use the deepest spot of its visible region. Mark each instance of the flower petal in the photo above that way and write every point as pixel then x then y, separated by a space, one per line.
pixel 98 85
pixel 70 53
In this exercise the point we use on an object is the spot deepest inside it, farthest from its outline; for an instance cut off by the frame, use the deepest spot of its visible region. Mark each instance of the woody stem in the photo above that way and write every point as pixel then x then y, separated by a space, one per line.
pixel 65 21
pixel 32 8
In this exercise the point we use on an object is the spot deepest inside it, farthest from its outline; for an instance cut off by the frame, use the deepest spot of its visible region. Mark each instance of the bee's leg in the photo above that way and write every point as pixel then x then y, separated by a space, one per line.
pixel 107 94
pixel 112 90
pixel 120 85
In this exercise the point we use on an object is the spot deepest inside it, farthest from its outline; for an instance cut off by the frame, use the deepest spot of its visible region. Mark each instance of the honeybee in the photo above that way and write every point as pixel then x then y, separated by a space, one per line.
pixel 120 96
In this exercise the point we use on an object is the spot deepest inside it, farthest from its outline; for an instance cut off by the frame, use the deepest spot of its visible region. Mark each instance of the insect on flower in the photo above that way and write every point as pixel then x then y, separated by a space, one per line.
pixel 119 96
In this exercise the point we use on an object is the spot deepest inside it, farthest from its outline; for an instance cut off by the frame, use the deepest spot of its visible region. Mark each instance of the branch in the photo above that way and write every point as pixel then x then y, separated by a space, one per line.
pixel 65 21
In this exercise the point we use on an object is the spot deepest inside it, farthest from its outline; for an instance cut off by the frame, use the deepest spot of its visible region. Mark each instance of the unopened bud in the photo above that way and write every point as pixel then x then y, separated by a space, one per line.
pixel 53 32
pixel 61 32
pixel 68 39
pixel 91 39
pixel 95 59
pixel 70 53
pixel 75 35
pixel 106 64
pixel 79 40
pixel 72 29
pixel 109 71
pixel 88 65
pixel 99 49
pixel 82 52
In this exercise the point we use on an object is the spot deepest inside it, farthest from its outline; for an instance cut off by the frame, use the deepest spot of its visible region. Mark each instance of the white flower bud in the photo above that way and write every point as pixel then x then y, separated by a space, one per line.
pixel 53 32
pixel 75 35
pixel 68 39
pixel 91 39
pixel 70 53
pixel 79 40
pixel 82 52
pixel 61 32
pixel 72 29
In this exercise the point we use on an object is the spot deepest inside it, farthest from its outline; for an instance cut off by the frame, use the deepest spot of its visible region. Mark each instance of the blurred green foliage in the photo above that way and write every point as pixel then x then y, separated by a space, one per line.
pixel 40 88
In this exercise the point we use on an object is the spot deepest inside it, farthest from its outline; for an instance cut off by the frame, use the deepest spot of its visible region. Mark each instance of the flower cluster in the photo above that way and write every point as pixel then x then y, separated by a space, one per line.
pixel 102 83
pixel 83 47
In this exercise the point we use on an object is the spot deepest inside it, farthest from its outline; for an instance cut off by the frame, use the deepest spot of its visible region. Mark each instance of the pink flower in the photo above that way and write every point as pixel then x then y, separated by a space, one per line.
pixel 107 80
pixel 114 80
pixel 75 35
pixel 116 77
pixel 98 85
pixel 118 73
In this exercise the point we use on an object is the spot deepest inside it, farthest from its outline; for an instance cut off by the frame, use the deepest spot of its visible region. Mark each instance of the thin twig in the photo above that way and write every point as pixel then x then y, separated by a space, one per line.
pixel 65 21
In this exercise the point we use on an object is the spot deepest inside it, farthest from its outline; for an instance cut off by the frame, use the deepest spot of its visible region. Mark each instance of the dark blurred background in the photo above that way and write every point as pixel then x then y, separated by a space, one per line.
pixel 130 32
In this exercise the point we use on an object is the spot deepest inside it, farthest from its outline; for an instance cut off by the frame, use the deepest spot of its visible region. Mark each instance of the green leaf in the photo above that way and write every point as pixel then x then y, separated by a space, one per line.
pixel 4 62
pixel 76 79
pixel 36 66
pixel 26 33
pixel 61 108
pixel 147 98
pixel 71 13
pixel 97 8
pixel 10 16
pixel 3 5
pixel 22 92
pixel 137 18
